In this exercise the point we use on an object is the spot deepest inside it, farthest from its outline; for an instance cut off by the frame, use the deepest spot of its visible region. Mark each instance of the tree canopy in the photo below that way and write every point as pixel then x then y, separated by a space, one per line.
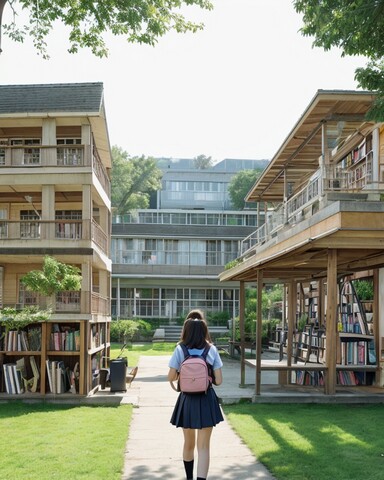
pixel 201 162
pixel 357 28
pixel 53 278
pixel 133 179
pixel 139 21
pixel 240 185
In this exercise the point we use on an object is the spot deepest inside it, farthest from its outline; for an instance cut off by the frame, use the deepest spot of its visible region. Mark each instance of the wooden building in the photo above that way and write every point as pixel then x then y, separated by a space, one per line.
pixel 324 230
pixel 55 161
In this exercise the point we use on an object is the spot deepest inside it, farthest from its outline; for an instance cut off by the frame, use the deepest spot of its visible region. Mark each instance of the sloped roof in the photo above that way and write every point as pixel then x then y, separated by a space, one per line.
pixel 60 97
pixel 343 113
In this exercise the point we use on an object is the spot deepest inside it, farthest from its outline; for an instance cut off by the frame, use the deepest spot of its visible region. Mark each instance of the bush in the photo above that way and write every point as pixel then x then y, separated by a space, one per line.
pixel 129 330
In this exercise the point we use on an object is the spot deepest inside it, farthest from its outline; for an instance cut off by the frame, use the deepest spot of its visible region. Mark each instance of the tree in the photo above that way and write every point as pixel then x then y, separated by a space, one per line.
pixel 132 180
pixel 357 27
pixel 240 185
pixel 54 277
pixel 140 21
pixel 201 162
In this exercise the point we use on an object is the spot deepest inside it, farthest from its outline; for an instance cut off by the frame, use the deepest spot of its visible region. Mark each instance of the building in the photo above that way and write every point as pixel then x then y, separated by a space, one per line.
pixel 166 260
pixel 55 200
pixel 326 233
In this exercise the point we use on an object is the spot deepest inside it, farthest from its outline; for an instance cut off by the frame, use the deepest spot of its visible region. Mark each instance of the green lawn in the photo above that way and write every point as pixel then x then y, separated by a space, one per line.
pixel 134 351
pixel 42 441
pixel 314 442
pixel 295 442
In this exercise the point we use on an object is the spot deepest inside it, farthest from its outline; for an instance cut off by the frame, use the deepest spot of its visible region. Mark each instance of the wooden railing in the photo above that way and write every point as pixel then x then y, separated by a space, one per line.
pixel 32 156
pixel 55 229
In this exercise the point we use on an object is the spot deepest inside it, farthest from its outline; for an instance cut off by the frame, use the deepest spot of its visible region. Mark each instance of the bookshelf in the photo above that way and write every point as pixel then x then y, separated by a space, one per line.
pixel 356 357
pixel 358 165
pixel 53 357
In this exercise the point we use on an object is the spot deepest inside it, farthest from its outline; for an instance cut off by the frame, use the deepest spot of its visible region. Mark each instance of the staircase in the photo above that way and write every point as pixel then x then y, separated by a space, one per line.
pixel 171 333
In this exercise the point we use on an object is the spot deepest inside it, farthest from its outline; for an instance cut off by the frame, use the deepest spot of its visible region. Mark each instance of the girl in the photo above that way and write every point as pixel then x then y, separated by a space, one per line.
pixel 196 412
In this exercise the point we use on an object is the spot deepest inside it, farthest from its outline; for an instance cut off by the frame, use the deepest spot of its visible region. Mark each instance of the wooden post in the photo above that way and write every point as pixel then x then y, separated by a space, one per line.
pixel 292 306
pixel 259 330
pixel 242 333
pixel 331 326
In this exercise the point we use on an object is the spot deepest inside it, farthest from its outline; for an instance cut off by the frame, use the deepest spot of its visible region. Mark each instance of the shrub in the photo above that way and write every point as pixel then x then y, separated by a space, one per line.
pixel 129 330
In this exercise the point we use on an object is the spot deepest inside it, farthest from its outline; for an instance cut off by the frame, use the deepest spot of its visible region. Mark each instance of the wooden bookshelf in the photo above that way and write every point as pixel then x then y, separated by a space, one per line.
pixel 356 346
pixel 65 345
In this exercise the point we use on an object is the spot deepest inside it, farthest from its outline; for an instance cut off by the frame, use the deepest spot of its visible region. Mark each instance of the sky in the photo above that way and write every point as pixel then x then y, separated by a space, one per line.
pixel 233 90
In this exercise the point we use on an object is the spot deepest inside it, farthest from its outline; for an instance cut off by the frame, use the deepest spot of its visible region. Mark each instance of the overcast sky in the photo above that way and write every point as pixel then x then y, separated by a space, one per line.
pixel 234 90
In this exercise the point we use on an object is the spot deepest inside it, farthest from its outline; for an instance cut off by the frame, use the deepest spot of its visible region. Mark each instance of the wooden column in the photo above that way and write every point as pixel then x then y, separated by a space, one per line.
pixel 285 376
pixel 331 326
pixel 259 330
pixel 242 332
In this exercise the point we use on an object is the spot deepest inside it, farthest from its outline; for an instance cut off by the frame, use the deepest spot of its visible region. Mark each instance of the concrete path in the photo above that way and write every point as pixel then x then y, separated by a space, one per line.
pixel 154 446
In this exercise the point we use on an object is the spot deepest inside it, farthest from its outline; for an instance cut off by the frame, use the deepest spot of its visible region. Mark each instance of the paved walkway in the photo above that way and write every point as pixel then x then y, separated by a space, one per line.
pixel 154 446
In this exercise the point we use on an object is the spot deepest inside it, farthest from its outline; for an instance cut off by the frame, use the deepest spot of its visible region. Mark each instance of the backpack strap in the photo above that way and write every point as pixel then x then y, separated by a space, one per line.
pixel 185 351
pixel 205 352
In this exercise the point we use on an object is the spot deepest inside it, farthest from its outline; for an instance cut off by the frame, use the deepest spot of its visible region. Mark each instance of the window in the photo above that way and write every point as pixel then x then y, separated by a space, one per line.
pixel 3 151
pixel 31 154
pixel 70 225
pixel 67 154
pixel 27 298
pixel 29 224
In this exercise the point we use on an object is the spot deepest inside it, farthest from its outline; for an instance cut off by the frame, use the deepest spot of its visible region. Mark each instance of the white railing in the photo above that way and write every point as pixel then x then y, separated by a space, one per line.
pixel 285 213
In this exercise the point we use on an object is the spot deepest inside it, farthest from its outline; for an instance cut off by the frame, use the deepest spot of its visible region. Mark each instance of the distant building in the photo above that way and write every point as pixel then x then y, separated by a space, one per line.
pixel 166 260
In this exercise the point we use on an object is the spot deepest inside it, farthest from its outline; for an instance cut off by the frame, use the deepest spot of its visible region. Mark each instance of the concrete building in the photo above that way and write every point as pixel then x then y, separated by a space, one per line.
pixel 55 200
pixel 166 260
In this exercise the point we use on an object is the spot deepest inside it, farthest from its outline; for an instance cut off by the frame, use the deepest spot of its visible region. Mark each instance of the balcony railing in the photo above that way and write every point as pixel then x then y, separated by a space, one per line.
pixel 172 257
pixel 99 236
pixel 55 156
pixel 100 304
pixel 68 302
pixel 57 229
pixel 292 211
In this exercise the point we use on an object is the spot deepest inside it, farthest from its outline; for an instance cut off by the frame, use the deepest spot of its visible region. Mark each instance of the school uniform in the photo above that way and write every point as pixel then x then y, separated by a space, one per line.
pixel 197 410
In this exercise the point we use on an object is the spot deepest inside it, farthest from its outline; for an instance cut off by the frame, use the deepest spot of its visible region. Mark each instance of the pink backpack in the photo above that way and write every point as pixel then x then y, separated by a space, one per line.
pixel 195 373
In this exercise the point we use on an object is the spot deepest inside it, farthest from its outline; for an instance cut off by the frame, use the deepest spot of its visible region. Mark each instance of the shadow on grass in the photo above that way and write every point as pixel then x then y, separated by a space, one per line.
pixel 314 442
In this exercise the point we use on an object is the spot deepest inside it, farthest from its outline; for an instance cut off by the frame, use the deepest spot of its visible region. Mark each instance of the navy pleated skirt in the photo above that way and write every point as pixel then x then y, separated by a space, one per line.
pixel 200 410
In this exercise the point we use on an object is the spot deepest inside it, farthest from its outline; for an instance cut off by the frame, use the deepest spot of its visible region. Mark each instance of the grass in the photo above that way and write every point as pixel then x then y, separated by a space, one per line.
pixel 43 441
pixel 133 352
pixel 313 442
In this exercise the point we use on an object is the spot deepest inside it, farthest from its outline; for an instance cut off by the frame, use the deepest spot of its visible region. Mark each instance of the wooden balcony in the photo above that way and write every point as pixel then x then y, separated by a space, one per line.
pixel 62 156
pixel 61 232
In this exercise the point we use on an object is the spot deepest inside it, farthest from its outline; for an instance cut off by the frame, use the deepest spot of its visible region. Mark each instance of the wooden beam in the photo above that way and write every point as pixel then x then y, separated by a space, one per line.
pixel 259 330
pixel 242 332
pixel 331 327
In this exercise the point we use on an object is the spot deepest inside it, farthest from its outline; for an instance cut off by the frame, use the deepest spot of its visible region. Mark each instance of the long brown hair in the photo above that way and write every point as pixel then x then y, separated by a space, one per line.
pixel 195 332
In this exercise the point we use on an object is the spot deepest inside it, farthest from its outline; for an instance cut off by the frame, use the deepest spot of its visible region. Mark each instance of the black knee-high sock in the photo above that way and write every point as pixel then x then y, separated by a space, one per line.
pixel 188 469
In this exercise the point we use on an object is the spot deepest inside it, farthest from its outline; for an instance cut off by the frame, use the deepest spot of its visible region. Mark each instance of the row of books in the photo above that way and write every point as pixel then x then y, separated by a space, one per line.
pixel 69 340
pixel 354 353
pixel 304 377
pixel 62 379
pixel 24 340
pixel 347 378
pixel 15 377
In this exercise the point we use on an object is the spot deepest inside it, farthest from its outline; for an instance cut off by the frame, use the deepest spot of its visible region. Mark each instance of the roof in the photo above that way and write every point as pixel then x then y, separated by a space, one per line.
pixel 342 111
pixel 60 97
pixel 60 100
